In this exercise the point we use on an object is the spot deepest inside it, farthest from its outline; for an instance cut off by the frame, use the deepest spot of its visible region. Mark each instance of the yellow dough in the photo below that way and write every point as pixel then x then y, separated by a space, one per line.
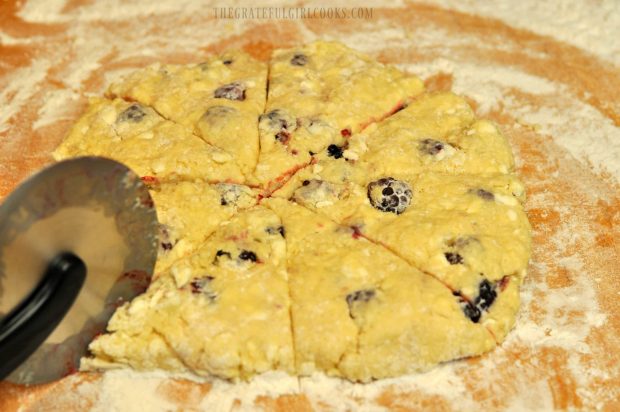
pixel 181 210
pixel 152 146
pixel 224 311
pixel 469 215
pixel 321 94
pixel 220 99
pixel 372 320
pixel 329 216
pixel 437 132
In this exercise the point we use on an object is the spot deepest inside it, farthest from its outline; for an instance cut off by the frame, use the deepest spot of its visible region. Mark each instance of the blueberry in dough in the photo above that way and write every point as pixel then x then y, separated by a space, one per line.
pixel 133 113
pixel 484 194
pixel 231 91
pixel 299 60
pixel 248 255
pixel 390 195
pixel 431 146
pixel 334 151
pixel 454 258
pixel 359 296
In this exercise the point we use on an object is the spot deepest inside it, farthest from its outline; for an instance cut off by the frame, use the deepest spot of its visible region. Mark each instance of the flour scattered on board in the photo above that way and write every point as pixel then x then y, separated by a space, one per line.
pixel 577 127
pixel 130 391
pixel 582 130
pixel 21 85
pixel 587 25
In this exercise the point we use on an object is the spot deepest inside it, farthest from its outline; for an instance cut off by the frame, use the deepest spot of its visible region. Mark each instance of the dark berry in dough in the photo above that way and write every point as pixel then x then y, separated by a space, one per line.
pixel 334 151
pixel 363 295
pixel 454 258
pixel 219 255
pixel 357 297
pixel 166 243
pixel 389 195
pixel 231 91
pixel 472 312
pixel 461 242
pixel 431 146
pixel 486 295
pixel 202 286
pixel 299 59
pixel 247 255
pixel 199 284
pixel 276 230
pixel 133 113
pixel 283 136
pixel 222 253
pixel 276 118
pixel 231 194
pixel 484 194
pixel 315 191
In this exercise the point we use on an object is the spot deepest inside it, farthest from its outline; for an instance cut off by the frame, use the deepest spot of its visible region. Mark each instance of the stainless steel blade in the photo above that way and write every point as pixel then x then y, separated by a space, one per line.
pixel 99 210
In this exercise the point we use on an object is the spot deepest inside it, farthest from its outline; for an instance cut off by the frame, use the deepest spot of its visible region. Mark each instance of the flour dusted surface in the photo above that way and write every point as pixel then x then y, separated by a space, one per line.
pixel 431 39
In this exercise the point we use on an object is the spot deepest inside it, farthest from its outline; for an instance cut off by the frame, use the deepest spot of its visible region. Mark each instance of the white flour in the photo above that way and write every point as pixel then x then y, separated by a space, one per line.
pixel 579 128
pixel 553 330
pixel 55 107
pixel 588 136
pixel 586 133
pixel 18 87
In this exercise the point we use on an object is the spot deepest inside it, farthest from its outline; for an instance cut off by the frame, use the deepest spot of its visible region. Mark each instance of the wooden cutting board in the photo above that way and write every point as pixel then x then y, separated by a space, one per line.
pixel 562 355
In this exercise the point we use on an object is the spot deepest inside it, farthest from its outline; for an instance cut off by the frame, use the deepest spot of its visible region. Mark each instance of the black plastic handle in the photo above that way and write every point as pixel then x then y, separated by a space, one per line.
pixel 26 327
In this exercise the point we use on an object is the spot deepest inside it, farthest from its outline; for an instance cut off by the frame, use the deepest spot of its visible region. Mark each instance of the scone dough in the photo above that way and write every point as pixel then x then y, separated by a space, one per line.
pixel 222 311
pixel 318 213
pixel 149 144
pixel 190 211
pixel 220 99
pixel 319 95
pixel 372 320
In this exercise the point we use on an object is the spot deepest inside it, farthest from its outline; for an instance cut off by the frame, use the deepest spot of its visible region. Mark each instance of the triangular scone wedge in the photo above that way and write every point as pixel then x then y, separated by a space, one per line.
pixel 132 340
pixel 436 132
pixel 320 95
pixel 469 231
pixel 150 145
pixel 223 311
pixel 189 212
pixel 362 313
pixel 456 227
pixel 220 99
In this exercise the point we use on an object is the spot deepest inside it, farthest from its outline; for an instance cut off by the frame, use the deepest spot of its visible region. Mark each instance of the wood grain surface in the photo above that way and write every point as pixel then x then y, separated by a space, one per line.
pixel 563 354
